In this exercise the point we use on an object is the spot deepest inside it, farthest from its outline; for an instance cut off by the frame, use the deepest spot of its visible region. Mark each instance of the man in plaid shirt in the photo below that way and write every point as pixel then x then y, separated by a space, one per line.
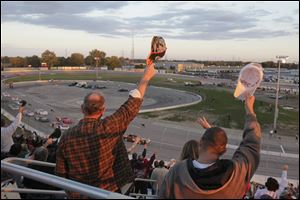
pixel 93 151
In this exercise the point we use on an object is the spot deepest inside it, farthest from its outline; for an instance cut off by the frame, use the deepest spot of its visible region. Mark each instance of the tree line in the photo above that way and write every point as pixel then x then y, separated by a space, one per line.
pixel 95 58
pixel 78 59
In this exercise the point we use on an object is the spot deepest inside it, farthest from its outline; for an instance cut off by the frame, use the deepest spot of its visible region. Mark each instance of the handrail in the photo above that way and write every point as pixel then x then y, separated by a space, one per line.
pixel 143 195
pixel 59 182
pixel 145 180
pixel 33 191
pixel 29 162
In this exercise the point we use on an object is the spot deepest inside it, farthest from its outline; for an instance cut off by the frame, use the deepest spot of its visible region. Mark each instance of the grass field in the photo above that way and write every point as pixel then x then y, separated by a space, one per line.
pixel 220 106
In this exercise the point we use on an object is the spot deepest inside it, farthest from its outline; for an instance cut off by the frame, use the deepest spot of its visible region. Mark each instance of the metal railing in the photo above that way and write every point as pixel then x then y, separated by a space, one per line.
pixel 33 191
pixel 59 182
pixel 145 195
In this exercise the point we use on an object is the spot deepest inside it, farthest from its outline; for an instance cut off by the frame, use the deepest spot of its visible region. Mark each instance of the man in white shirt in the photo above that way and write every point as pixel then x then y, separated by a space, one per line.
pixel 7 132
pixel 273 189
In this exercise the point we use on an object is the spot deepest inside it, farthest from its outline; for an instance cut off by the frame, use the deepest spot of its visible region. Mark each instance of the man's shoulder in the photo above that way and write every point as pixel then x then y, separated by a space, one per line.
pixel 70 132
pixel 179 166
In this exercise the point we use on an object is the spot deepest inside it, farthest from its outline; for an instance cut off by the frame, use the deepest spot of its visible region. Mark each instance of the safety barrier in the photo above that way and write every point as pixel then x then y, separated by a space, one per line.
pixel 145 196
pixel 59 182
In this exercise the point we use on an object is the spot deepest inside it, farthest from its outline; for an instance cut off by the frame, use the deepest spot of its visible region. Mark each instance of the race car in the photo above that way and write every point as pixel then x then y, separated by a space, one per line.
pixel 41 112
pixel 131 138
pixel 5 94
pixel 41 118
pixel 29 113
pixel 15 98
pixel 64 120
pixel 60 125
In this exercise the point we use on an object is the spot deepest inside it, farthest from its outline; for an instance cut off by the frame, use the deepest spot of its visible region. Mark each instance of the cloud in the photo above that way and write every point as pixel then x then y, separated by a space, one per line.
pixel 193 23
pixel 284 19
pixel 57 7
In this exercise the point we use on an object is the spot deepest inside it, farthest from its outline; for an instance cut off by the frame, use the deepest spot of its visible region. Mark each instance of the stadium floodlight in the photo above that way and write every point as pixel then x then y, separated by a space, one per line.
pixel 280 59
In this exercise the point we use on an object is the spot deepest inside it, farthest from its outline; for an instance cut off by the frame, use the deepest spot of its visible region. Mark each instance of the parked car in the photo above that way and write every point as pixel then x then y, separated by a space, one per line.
pixel 88 86
pixel 81 84
pixel 100 87
pixel 123 90
pixel 73 84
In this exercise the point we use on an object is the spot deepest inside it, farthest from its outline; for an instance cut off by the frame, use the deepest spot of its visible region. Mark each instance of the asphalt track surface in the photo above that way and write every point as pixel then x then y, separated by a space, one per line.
pixel 167 138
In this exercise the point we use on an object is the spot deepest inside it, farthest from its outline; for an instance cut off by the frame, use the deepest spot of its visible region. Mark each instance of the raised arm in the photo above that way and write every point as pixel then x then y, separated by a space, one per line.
pixel 137 140
pixel 145 151
pixel 203 122
pixel 283 180
pixel 7 132
pixel 13 126
pixel 247 155
pixel 119 121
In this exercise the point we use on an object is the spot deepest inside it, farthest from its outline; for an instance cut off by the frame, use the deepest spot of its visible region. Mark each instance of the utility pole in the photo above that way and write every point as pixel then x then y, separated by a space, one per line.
pixel 97 60
pixel 281 59
pixel 132 48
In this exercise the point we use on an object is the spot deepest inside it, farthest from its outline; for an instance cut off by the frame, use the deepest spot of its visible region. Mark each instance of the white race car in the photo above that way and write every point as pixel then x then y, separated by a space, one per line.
pixel 41 112
pixel 29 113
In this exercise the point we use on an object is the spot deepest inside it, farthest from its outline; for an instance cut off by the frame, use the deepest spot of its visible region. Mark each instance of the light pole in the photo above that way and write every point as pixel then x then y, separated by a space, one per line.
pixel 39 73
pixel 97 60
pixel 281 59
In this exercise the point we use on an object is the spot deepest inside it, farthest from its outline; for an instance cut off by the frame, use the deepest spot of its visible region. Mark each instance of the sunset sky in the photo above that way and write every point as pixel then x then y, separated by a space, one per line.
pixel 247 31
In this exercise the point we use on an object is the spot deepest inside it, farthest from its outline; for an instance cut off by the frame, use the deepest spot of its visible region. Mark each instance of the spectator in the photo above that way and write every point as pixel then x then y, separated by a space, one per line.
pixel 40 154
pixel 134 159
pixel 190 150
pixel 14 151
pixel 93 151
pixel 53 146
pixel 210 176
pixel 269 191
pixel 142 171
pixel 156 165
pixel 158 174
pixel 7 132
pixel 272 188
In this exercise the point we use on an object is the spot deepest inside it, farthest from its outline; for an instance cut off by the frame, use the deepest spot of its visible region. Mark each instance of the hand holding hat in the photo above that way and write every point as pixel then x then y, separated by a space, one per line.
pixel 158 49
pixel 250 78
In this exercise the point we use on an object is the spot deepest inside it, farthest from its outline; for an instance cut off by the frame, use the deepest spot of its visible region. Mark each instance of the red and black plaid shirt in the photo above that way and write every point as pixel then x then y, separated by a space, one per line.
pixel 93 152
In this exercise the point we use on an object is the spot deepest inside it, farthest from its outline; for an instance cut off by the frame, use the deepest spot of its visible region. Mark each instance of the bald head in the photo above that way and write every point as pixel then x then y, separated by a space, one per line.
pixel 214 139
pixel 93 103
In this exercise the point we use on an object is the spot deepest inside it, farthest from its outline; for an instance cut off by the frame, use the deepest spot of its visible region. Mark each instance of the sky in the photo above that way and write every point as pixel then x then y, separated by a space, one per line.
pixel 246 31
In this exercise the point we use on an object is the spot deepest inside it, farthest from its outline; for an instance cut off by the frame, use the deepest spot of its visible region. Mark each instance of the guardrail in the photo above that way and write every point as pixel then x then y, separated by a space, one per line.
pixel 145 195
pixel 59 182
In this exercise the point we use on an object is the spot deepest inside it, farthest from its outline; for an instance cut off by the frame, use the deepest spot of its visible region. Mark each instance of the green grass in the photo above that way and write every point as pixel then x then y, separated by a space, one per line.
pixel 221 105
